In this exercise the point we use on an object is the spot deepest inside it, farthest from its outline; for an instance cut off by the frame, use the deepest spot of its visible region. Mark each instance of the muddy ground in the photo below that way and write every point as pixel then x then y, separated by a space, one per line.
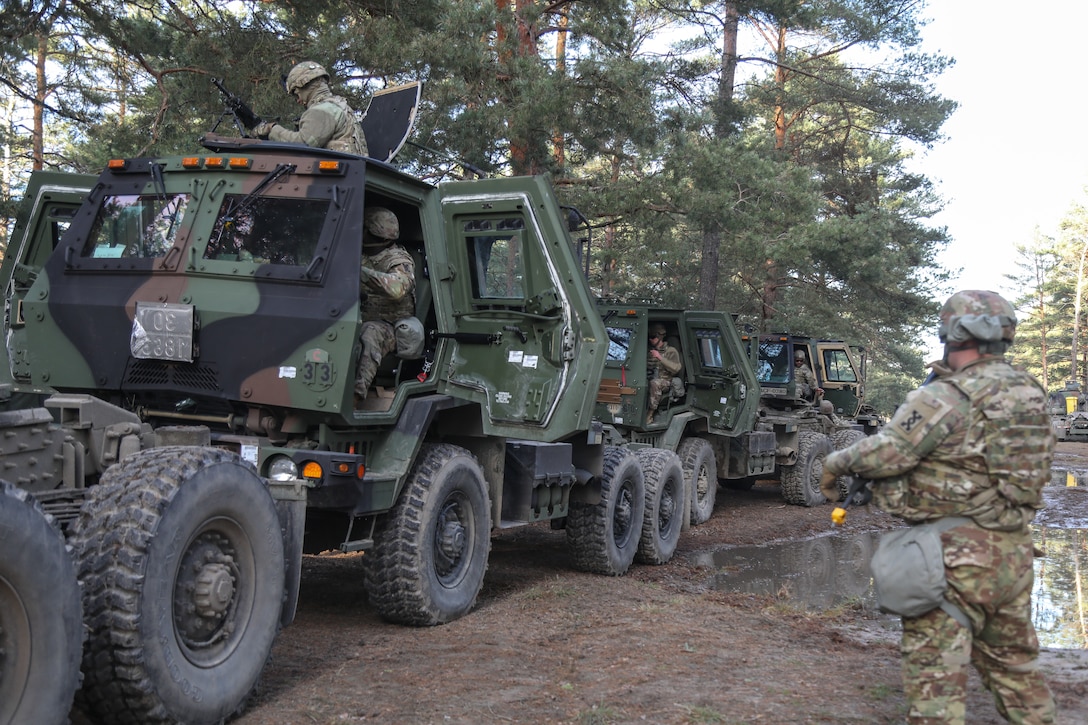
pixel 658 645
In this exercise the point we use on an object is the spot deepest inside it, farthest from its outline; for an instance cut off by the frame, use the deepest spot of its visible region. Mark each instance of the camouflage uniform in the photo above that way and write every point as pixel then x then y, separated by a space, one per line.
pixel 976 443
pixel 328 121
pixel 662 370
pixel 387 288
pixel 806 380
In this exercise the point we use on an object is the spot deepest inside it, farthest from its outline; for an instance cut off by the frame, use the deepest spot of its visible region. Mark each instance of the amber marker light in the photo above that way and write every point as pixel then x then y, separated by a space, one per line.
pixel 213 162
pixel 329 167
pixel 117 164
pixel 239 162
pixel 191 162
pixel 312 470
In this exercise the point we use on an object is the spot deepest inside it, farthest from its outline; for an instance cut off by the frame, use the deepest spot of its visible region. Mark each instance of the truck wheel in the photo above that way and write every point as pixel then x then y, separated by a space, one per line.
pixel 664 515
pixel 801 481
pixel 603 537
pixel 41 619
pixel 842 439
pixel 430 552
pixel 701 474
pixel 181 560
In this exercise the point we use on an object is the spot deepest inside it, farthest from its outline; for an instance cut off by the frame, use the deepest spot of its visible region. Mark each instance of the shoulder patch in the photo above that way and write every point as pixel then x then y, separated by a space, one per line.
pixel 920 413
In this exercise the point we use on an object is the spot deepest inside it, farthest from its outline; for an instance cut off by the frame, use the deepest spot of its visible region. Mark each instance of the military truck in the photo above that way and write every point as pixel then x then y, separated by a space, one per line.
pixel 804 434
pixel 707 418
pixel 1068 409
pixel 191 325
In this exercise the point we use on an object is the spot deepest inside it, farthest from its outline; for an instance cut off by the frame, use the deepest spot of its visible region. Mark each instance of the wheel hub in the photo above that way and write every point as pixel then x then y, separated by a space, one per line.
pixel 205 593
pixel 450 542
pixel 214 590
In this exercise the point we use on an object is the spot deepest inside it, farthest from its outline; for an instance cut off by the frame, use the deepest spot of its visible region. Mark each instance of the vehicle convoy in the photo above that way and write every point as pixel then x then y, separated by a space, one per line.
pixel 192 326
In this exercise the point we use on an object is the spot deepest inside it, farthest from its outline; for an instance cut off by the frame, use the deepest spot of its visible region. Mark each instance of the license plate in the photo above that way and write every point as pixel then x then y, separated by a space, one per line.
pixel 162 331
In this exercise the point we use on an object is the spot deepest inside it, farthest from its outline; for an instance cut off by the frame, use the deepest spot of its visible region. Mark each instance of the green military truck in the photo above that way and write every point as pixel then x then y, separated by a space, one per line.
pixel 708 417
pixel 805 433
pixel 183 334
pixel 1068 410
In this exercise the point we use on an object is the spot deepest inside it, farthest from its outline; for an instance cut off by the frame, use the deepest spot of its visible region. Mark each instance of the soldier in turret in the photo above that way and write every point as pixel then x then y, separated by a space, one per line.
pixel 387 282
pixel 328 121
pixel 969 452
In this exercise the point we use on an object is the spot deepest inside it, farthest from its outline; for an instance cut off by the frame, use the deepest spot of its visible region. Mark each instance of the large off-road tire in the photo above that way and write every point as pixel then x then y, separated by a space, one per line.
pixel 430 552
pixel 603 537
pixel 842 439
pixel 701 475
pixel 661 523
pixel 801 481
pixel 41 621
pixel 181 560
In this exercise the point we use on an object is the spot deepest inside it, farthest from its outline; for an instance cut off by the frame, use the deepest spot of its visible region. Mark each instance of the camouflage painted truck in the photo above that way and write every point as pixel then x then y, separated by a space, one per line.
pixel 734 415
pixel 708 418
pixel 804 434
pixel 192 325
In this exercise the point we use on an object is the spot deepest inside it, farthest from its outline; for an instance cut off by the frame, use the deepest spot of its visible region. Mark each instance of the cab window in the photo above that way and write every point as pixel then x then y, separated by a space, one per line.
pixel 619 343
pixel 267 230
pixel 837 367
pixel 496 258
pixel 133 226
pixel 710 348
pixel 774 362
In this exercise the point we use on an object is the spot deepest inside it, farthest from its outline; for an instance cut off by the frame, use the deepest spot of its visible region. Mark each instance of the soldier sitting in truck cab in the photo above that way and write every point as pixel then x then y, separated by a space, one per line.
pixel 387 291
pixel 807 387
pixel 664 364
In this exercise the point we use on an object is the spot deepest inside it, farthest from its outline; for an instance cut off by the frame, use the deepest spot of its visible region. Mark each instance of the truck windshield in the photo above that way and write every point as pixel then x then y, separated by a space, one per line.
pixel 267 230
pixel 135 226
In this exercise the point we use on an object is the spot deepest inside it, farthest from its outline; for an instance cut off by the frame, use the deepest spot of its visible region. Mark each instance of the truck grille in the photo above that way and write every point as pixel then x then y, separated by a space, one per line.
pixel 158 374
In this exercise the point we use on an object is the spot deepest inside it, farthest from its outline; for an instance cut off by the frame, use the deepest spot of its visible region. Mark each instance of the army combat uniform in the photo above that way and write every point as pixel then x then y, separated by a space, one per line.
pixel 974 443
pixel 328 122
pixel 387 290
pixel 664 369
pixel 806 380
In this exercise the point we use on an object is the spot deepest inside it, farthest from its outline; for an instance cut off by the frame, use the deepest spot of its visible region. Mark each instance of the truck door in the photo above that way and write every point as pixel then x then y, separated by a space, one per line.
pixel 55 199
pixel 726 389
pixel 839 377
pixel 518 328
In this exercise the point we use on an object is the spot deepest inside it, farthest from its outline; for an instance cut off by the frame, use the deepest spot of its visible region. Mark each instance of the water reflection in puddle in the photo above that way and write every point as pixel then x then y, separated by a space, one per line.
pixel 831 570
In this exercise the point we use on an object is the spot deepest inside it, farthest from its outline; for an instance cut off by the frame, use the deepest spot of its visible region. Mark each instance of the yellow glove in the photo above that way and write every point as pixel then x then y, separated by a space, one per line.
pixel 829 486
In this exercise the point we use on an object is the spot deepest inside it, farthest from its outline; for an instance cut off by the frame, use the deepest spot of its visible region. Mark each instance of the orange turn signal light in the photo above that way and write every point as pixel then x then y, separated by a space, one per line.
pixel 312 470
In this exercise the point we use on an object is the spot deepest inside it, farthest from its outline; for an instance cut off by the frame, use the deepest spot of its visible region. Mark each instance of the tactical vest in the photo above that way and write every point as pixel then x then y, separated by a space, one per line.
pixel 348 135
pixel 378 305
pixel 996 473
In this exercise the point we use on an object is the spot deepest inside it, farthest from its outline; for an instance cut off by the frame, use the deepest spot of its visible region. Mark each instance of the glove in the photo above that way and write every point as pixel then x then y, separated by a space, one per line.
pixel 829 486
pixel 262 129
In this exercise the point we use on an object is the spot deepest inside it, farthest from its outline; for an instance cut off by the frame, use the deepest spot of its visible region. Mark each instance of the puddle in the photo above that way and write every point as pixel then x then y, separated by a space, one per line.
pixel 831 570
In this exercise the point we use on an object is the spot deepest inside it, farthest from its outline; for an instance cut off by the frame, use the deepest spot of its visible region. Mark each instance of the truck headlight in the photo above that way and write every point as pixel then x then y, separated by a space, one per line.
pixel 282 468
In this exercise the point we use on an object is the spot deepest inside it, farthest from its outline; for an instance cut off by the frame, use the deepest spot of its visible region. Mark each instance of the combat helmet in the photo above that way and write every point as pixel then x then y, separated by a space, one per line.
pixel 302 74
pixel 382 224
pixel 980 315
pixel 658 331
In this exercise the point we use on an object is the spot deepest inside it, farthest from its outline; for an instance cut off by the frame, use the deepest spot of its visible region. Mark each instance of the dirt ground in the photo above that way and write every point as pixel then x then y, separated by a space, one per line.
pixel 658 645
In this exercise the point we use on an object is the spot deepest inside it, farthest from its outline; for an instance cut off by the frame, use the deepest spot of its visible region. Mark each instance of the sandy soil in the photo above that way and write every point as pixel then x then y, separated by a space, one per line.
pixel 659 645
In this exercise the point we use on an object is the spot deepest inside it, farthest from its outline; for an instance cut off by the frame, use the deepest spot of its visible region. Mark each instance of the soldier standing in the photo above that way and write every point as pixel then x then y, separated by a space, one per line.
pixel 387 282
pixel 328 121
pixel 975 442
pixel 664 363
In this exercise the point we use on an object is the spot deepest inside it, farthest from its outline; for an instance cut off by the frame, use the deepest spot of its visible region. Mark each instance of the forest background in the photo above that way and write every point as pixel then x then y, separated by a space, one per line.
pixel 749 156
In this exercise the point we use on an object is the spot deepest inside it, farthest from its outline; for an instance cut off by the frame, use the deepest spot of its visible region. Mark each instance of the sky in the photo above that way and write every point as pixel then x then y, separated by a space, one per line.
pixel 1016 157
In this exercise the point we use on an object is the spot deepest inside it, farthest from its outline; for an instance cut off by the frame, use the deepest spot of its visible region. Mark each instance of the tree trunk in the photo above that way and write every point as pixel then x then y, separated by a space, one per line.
pixel 712 234
pixel 41 91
